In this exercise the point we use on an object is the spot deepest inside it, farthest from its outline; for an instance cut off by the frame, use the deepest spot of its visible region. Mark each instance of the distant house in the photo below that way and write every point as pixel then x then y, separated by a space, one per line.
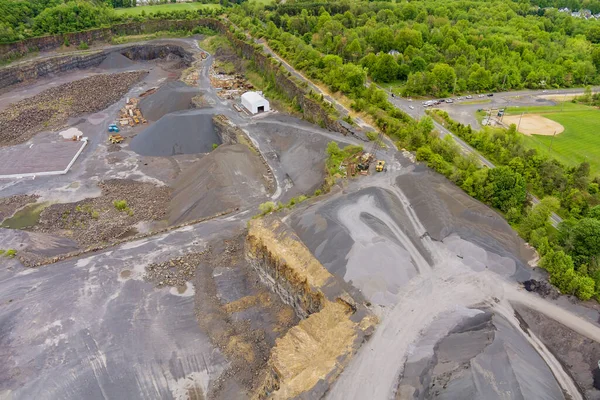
pixel 394 53
pixel 255 102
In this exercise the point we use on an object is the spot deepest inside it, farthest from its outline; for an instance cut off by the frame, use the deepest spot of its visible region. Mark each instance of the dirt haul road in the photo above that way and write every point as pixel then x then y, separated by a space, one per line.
pixel 445 285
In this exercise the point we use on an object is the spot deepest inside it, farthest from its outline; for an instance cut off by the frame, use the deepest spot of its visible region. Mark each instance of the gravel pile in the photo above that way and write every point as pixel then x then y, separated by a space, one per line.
pixel 171 97
pixel 115 60
pixel 178 133
pixel 8 205
pixel 51 108
pixel 175 272
pixel 97 220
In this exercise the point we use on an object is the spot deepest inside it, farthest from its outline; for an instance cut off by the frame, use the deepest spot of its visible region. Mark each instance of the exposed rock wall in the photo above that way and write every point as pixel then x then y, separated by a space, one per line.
pixel 25 72
pixel 11 51
pixel 312 354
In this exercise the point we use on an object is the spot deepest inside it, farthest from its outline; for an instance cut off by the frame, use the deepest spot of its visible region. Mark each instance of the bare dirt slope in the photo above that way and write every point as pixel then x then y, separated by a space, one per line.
pixel 229 177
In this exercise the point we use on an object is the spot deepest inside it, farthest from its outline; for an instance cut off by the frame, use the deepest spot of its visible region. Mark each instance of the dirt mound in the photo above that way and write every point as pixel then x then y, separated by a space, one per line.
pixel 179 133
pixel 114 61
pixel 171 97
pixel 229 177
pixel 542 288
pixel 50 109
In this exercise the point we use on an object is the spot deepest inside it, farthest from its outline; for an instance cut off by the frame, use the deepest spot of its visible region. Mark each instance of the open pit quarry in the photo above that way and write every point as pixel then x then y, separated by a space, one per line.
pixel 145 271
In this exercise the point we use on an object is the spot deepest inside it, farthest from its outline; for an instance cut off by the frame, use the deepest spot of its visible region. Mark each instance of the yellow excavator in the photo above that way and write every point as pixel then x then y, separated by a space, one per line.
pixel 380 166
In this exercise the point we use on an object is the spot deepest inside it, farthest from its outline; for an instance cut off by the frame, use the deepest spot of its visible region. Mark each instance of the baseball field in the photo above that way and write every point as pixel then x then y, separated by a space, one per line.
pixel 577 127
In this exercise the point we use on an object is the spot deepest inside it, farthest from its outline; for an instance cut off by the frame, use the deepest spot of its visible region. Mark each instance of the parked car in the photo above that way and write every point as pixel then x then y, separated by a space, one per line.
pixel 469 96
pixel 490 95
pixel 449 101
pixel 481 95
pixel 411 107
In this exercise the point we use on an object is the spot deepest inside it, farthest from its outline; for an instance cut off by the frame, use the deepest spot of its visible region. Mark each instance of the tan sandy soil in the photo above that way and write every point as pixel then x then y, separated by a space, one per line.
pixel 560 97
pixel 532 124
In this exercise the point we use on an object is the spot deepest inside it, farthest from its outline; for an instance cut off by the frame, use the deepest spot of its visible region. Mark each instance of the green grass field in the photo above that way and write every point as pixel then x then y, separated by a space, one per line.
pixel 163 8
pixel 580 140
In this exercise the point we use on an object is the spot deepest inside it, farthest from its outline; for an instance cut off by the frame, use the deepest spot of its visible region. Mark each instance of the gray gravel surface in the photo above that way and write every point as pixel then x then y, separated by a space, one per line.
pixel 189 132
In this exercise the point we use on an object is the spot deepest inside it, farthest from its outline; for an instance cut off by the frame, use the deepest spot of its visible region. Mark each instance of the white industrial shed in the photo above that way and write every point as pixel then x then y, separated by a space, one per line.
pixel 255 102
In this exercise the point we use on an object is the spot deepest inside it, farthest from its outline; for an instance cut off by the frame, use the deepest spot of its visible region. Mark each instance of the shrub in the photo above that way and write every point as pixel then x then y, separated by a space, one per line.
pixel 267 207
pixel 95 214
pixel 120 205
pixel 83 46
pixel 10 253
pixel 318 192
pixel 66 42
pixel 372 135
pixel 214 146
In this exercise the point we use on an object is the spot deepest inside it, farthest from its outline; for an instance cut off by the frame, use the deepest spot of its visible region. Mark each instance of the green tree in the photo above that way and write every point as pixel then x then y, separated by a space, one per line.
pixel 582 241
pixel 353 51
pixel 505 189
pixel 593 34
pixel 538 216
pixel 443 79
pixel 385 69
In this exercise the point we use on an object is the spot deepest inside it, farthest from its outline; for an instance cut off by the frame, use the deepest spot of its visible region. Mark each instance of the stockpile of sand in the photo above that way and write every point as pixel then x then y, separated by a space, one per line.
pixel 171 97
pixel 179 133
pixel 115 60
pixel 229 177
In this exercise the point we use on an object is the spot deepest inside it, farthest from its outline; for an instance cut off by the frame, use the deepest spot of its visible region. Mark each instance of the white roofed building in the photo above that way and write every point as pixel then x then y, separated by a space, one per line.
pixel 255 102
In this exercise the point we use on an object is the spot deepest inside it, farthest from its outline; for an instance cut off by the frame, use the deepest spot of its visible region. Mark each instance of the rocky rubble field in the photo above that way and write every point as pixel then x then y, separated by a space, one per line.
pixel 111 216
pixel 51 108
pixel 8 205
pixel 175 272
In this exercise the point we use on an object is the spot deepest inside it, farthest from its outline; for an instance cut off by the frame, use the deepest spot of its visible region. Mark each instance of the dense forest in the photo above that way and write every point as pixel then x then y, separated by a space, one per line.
pixel 440 48
pixel 435 48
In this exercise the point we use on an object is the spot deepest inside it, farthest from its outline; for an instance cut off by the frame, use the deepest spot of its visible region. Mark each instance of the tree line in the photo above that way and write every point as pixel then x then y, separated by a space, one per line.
pixel 24 19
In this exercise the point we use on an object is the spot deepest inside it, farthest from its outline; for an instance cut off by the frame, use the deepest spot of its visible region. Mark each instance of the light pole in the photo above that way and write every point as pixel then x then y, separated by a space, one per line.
pixel 518 126
pixel 552 140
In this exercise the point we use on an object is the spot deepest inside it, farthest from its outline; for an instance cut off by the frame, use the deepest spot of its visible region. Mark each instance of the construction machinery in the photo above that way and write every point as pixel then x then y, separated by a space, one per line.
pixel 113 128
pixel 380 166
pixel 115 139
pixel 365 161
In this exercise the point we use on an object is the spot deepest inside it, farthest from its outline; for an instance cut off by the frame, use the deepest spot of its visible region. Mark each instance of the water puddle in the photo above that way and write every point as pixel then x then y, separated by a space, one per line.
pixel 27 217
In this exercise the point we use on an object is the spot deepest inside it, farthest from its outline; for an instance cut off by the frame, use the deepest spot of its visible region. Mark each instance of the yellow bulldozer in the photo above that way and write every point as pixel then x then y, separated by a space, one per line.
pixel 380 166
pixel 115 139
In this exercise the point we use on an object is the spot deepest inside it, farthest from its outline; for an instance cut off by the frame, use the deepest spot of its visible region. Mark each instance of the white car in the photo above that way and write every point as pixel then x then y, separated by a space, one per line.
pixel 411 107
pixel 469 96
